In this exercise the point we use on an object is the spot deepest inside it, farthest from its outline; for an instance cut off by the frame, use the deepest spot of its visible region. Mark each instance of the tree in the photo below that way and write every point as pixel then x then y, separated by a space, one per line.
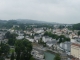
pixel 61 27
pixel 32 58
pixel 9 35
pixel 12 56
pixel 2 58
pixel 23 49
pixel 22 26
pixel 67 39
pixel 57 57
pixel 60 38
pixel 78 33
pixel 46 33
pixel 11 38
pixel 11 41
pixel 10 23
pixel 76 26
pixel 44 44
pixel 4 50
pixel 22 56
pixel 44 57
pixel 25 34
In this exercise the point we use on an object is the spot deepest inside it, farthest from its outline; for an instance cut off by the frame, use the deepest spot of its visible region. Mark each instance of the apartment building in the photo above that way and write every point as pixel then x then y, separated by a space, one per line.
pixel 75 50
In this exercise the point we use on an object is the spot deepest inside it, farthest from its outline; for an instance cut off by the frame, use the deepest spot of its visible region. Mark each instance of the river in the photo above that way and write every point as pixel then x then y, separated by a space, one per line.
pixel 49 56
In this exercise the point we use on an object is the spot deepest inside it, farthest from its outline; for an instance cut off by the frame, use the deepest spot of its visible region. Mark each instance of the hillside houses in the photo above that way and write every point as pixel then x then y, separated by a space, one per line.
pixel 38 30
pixel 37 34
pixel 37 38
pixel 46 38
pixel 20 35
pixel 66 46
pixel 2 37
pixel 52 44
pixel 30 39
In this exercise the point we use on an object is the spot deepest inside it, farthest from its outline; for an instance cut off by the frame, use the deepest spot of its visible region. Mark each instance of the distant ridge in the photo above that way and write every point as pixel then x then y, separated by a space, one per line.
pixel 29 21
pixel 34 21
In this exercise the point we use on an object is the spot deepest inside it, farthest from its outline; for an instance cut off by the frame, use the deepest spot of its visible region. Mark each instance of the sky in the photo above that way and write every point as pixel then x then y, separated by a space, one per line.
pixel 60 11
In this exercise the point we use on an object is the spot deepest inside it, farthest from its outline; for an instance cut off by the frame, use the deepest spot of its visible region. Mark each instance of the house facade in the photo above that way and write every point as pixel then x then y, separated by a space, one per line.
pixel 75 50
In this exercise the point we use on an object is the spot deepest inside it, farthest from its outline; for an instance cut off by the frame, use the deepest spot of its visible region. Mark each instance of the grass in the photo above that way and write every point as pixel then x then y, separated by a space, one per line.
pixel 12 50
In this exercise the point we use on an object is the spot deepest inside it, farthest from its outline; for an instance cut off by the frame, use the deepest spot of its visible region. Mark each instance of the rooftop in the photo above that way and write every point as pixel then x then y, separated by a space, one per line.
pixel 76 44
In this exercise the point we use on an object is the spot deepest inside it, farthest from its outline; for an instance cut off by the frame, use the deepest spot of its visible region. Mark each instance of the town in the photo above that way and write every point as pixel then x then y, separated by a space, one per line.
pixel 40 42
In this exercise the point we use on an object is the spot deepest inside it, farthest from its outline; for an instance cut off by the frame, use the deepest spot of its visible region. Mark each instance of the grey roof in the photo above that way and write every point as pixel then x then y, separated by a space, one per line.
pixel 51 42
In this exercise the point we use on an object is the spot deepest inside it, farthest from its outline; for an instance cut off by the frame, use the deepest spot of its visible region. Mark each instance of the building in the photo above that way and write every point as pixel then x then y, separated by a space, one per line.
pixel 46 38
pixel 75 50
pixel 52 44
pixel 66 46
pixel 31 40
pixel 64 56
pixel 5 41
pixel 19 37
pixel 37 38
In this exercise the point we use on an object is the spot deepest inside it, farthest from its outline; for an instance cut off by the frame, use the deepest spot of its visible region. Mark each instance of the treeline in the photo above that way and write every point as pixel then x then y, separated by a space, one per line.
pixel 60 38
pixel 11 38
pixel 22 26
pixel 4 51
pixel 22 48
pixel 76 26
pixel 7 24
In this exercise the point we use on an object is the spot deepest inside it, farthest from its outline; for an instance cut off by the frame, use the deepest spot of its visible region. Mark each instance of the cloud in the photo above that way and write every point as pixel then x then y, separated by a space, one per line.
pixel 63 11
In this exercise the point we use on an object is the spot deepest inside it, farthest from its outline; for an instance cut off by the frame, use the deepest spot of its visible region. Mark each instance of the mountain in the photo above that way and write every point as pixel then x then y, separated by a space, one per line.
pixel 76 26
pixel 3 21
pixel 26 21
pixel 29 21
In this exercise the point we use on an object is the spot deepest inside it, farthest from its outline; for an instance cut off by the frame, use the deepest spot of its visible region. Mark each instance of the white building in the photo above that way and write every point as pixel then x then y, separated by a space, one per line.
pixel 37 38
pixel 40 31
pixel 20 37
pixel 66 46
pixel 46 38
pixel 5 41
pixel 31 40
pixel 52 43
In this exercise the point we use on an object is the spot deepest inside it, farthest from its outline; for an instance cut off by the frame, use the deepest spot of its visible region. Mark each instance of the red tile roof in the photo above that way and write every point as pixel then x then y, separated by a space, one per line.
pixel 75 44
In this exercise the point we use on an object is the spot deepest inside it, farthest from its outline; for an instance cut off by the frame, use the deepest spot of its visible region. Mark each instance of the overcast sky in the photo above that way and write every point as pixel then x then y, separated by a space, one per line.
pixel 62 11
